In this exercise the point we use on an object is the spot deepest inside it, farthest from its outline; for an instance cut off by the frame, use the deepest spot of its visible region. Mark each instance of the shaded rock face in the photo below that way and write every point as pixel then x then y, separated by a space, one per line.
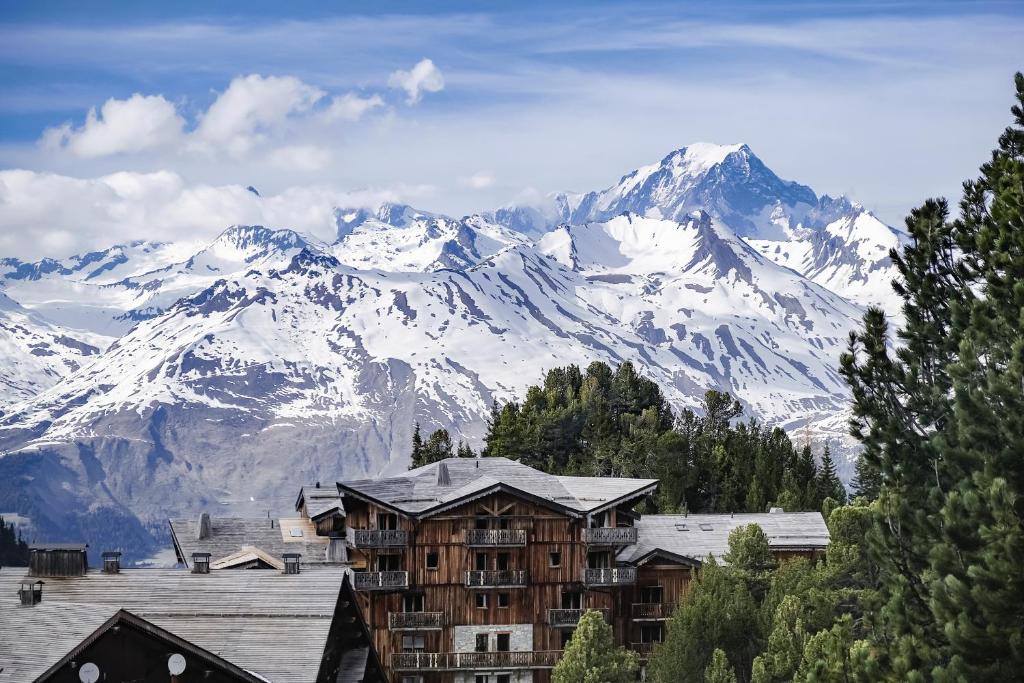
pixel 265 359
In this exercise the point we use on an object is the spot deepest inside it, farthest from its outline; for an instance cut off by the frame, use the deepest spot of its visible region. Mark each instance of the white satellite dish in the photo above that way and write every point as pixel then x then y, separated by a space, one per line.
pixel 176 664
pixel 89 673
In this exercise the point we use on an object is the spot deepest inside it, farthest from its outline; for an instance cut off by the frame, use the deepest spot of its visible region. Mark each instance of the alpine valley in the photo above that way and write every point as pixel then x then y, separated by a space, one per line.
pixel 152 379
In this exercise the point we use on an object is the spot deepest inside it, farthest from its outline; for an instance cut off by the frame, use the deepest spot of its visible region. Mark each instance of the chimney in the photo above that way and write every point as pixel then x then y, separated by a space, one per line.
pixel 30 592
pixel 443 478
pixel 111 562
pixel 203 529
pixel 291 563
pixel 200 563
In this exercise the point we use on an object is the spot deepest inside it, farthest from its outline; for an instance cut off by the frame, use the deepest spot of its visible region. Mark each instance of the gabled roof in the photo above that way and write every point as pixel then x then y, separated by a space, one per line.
pixel 320 501
pixel 246 555
pixel 698 536
pixel 271 624
pixel 418 492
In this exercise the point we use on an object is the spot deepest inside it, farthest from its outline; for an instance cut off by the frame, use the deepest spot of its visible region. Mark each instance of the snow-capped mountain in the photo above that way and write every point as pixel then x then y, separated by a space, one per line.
pixel 265 359
pixel 37 353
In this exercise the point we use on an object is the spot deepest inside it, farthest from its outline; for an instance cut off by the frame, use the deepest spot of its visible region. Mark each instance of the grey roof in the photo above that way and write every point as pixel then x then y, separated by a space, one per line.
pixel 697 536
pixel 419 493
pixel 319 501
pixel 271 624
pixel 228 535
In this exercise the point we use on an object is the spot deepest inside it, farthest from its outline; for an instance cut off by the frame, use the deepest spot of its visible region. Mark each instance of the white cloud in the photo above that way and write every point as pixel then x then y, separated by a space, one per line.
pixel 351 107
pixel 252 105
pixel 300 157
pixel 138 123
pixel 424 77
pixel 478 181
pixel 58 215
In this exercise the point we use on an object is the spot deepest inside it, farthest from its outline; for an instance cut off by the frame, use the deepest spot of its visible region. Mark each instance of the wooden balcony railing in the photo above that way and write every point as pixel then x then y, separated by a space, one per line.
pixel 643 649
pixel 512 578
pixel 613 535
pixel 461 661
pixel 381 581
pixel 561 618
pixel 380 538
pixel 415 621
pixel 617 576
pixel 653 611
pixel 495 538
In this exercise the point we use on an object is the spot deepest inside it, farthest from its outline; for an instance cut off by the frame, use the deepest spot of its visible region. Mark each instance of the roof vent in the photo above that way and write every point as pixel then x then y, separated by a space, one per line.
pixel 111 562
pixel 31 592
pixel 203 529
pixel 200 563
pixel 443 477
pixel 291 562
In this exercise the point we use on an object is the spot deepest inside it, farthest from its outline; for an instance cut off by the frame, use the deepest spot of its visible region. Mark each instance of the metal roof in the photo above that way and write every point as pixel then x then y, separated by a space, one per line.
pixel 421 492
pixel 228 535
pixel 274 625
pixel 698 536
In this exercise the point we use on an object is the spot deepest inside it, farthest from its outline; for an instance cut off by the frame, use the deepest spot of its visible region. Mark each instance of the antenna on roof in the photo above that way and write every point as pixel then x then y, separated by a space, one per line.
pixel 443 477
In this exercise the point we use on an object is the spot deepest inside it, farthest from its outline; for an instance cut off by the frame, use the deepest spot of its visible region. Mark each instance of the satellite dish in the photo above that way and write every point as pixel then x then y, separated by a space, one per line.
pixel 89 673
pixel 176 664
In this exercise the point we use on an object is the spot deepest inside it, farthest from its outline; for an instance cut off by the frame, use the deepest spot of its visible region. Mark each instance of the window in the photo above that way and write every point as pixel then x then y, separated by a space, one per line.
pixel 505 521
pixel 651 594
pixel 650 633
pixel 481 600
pixel 482 642
pixel 598 560
pixel 572 600
pixel 555 559
pixel 504 642
pixel 413 643
pixel 481 562
pixel 432 560
pixel 389 563
pixel 504 599
pixel 482 678
pixel 387 521
pixel 503 561
pixel 295 533
pixel 412 603
pixel 504 678
pixel 566 637
pixel 482 520
pixel 706 527
pixel 412 679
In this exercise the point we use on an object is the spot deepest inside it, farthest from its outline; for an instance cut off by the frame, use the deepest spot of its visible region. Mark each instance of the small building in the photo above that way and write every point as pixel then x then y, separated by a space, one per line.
pixel 58 559
pixel 149 624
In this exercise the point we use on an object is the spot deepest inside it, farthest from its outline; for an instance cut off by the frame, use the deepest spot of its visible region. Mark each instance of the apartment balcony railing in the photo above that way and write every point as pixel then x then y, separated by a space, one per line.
pixel 380 538
pixel 617 576
pixel 495 538
pixel 643 649
pixel 462 661
pixel 513 578
pixel 415 621
pixel 612 535
pixel 567 618
pixel 653 611
pixel 381 581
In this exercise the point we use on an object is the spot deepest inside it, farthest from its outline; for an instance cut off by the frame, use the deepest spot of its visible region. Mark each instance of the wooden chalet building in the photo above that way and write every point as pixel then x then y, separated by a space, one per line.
pixel 478 570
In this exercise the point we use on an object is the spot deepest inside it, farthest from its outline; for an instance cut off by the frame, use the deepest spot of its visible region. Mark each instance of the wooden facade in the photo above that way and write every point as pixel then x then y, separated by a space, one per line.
pixel 488 588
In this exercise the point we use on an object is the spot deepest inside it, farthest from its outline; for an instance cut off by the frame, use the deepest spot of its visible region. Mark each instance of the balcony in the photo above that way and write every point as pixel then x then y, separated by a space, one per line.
pixel 643 649
pixel 415 621
pixel 653 611
pixel 381 581
pixel 511 578
pixel 568 618
pixel 495 538
pixel 612 536
pixel 380 538
pixel 463 661
pixel 617 576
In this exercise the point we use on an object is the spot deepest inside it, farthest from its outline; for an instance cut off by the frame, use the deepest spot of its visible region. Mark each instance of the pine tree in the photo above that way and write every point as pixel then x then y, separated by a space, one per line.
pixel 786 643
pixel 942 424
pixel 438 446
pixel 719 670
pixel 417 447
pixel 14 551
pixel 866 480
pixel 591 655
pixel 828 483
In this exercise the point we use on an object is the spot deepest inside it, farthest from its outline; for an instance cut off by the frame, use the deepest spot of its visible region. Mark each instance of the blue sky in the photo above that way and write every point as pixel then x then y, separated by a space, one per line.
pixel 459 106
